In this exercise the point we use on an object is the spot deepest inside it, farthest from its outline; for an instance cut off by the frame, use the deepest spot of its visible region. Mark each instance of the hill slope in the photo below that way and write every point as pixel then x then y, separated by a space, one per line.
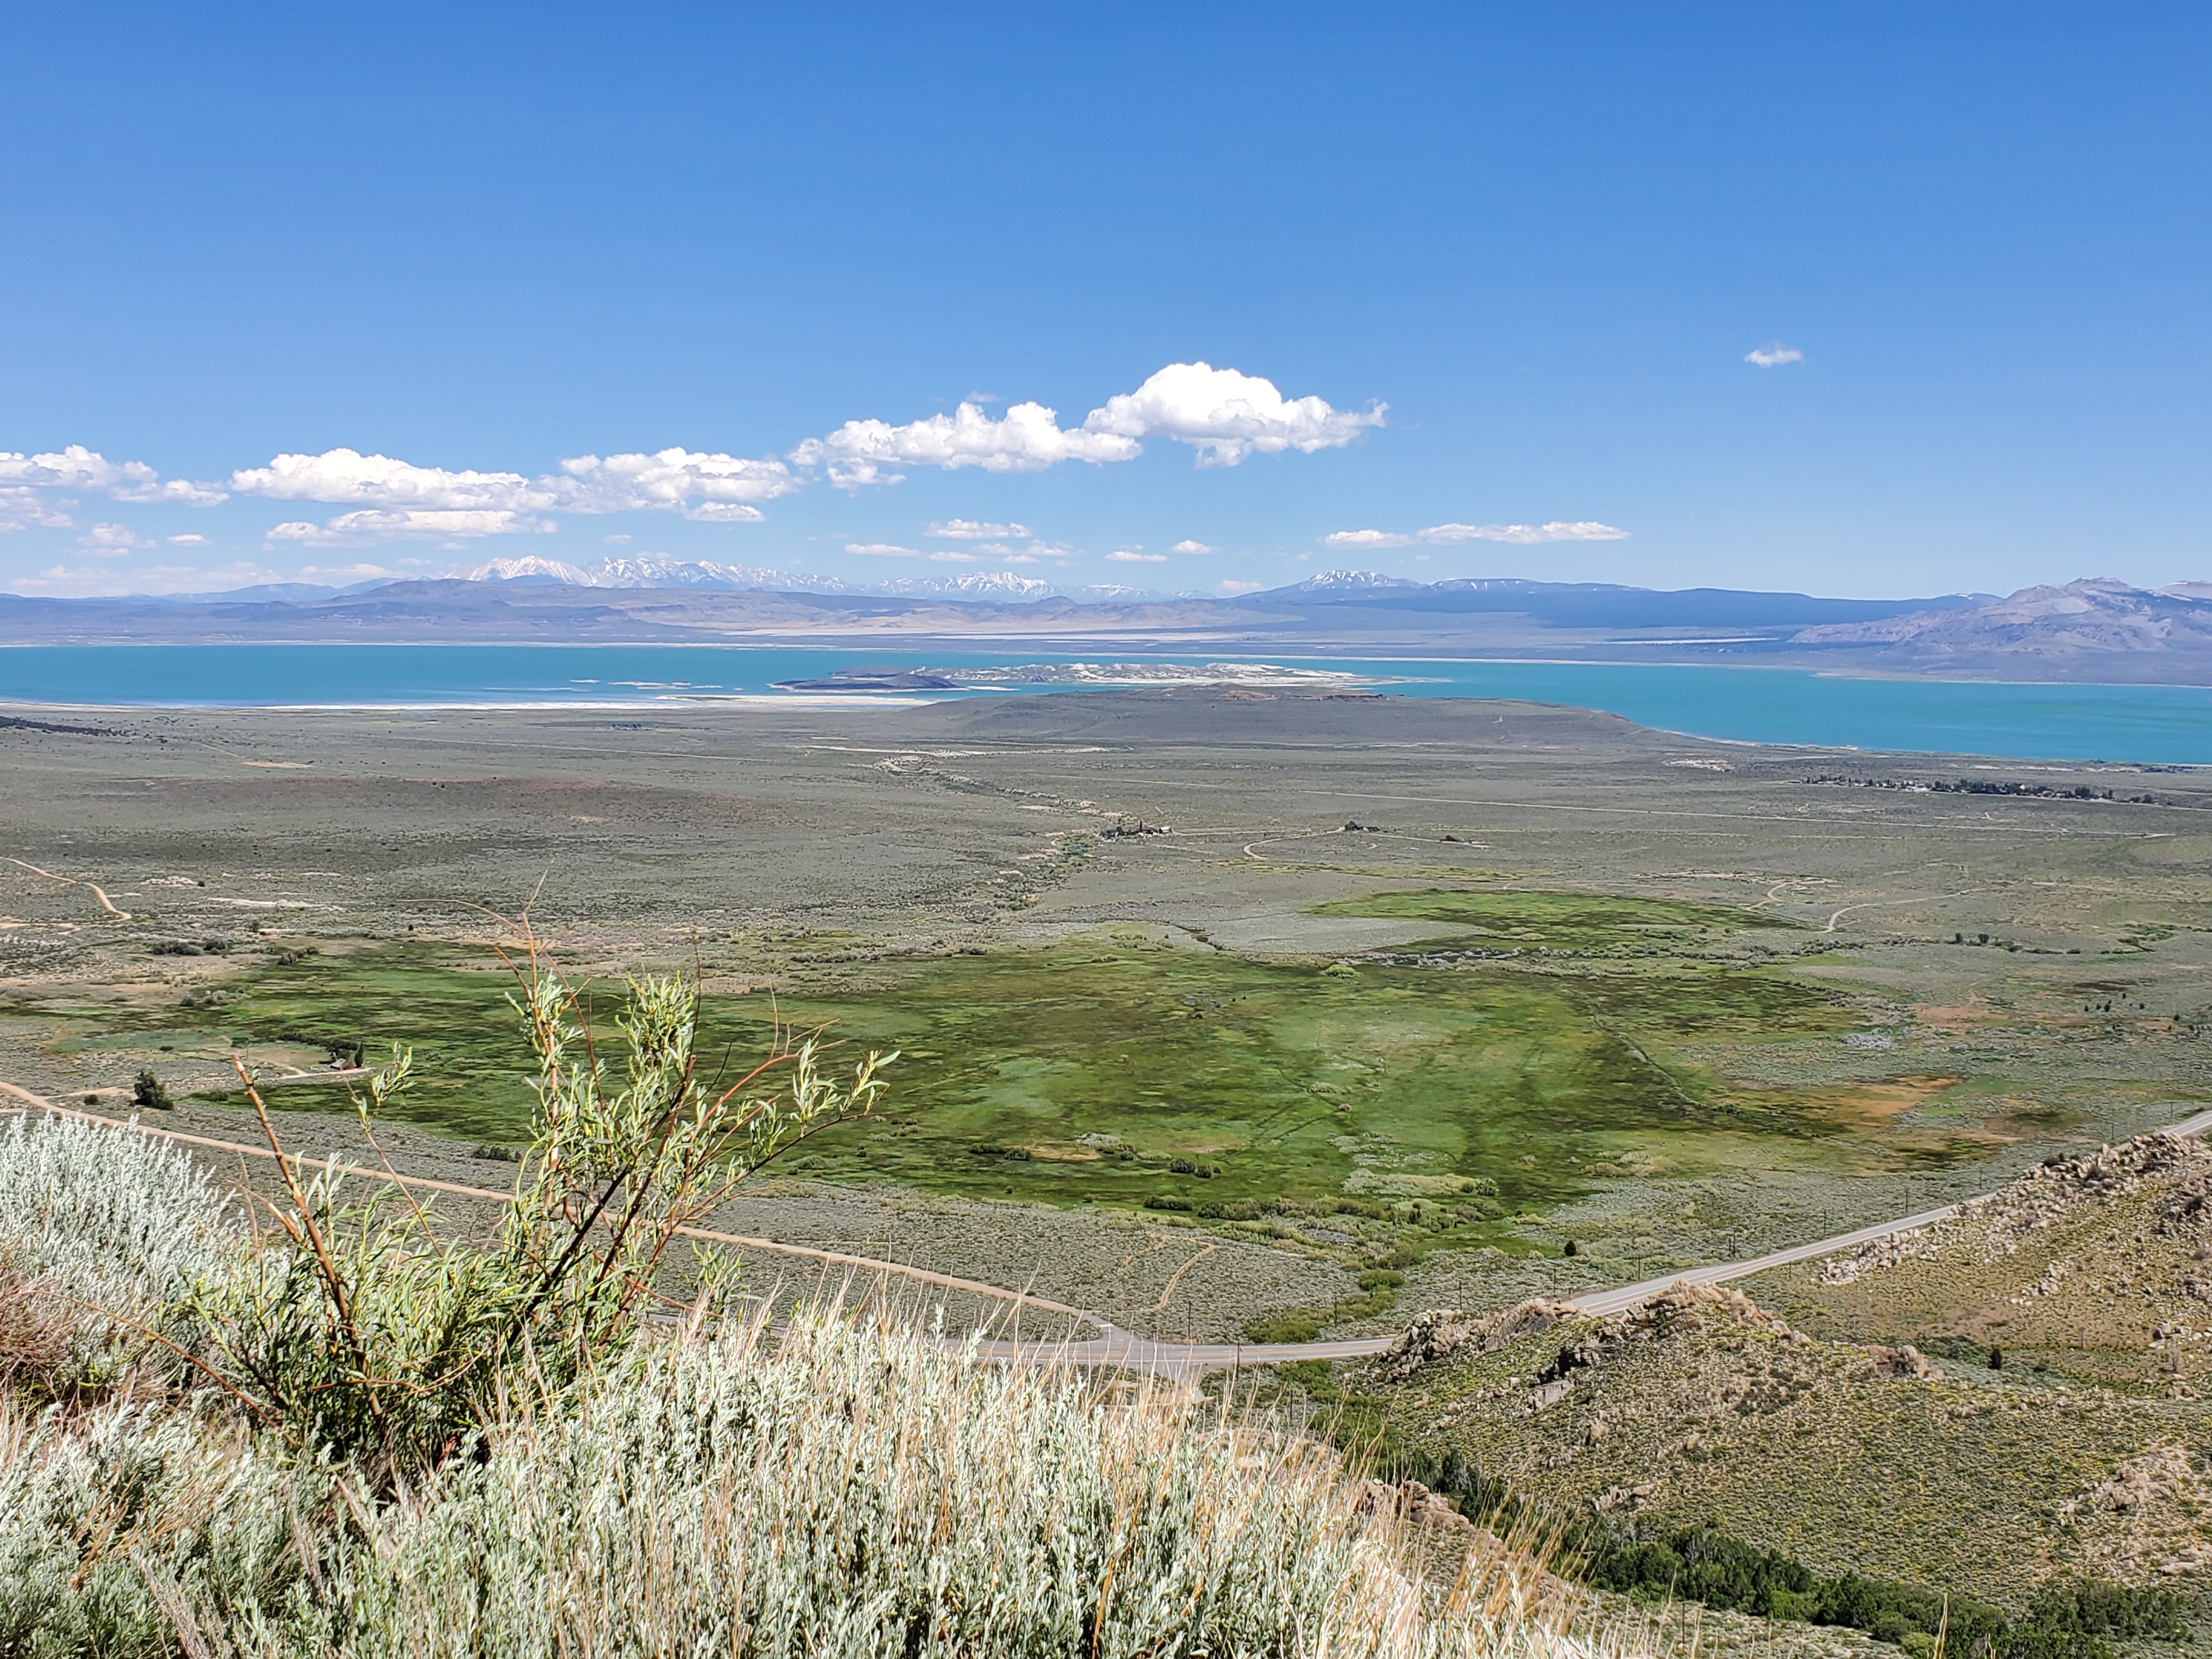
pixel 1863 1425
pixel 2096 1268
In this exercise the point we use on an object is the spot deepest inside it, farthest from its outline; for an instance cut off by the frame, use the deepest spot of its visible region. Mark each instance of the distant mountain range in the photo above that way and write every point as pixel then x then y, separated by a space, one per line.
pixel 2085 630
pixel 1593 604
pixel 1604 605
pixel 651 570
pixel 1597 604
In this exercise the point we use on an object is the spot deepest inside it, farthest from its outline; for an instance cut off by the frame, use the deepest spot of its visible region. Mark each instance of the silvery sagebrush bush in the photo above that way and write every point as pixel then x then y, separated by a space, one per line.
pixel 838 1488
pixel 102 1234
pixel 121 1526
pixel 859 1489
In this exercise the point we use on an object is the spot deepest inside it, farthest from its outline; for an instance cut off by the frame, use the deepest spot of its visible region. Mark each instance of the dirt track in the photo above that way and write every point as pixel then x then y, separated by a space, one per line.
pixel 1113 1345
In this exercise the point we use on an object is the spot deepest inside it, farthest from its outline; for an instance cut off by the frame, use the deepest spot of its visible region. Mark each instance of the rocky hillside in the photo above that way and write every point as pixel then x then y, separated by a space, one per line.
pixel 1700 1406
pixel 2096 1269
pixel 2007 1394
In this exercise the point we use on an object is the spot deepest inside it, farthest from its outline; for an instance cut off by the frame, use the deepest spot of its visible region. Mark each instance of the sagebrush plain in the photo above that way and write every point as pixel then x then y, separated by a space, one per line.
pixel 1213 1008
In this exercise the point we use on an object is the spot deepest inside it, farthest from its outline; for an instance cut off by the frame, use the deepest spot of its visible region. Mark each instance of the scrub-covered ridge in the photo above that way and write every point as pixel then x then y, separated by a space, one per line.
pixel 1986 1405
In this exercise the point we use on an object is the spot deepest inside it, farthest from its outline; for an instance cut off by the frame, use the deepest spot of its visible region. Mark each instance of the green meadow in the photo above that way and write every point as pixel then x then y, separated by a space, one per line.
pixel 1112 1069
pixel 1554 921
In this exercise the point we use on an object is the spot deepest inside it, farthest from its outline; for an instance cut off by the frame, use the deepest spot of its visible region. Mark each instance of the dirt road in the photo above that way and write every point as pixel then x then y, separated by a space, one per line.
pixel 1124 1350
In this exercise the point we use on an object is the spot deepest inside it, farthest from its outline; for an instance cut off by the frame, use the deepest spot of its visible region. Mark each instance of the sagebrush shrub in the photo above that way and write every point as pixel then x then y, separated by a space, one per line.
pixel 103 1234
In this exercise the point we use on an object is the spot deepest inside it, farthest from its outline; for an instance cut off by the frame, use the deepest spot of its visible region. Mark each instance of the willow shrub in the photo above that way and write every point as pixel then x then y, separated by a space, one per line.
pixel 367 1331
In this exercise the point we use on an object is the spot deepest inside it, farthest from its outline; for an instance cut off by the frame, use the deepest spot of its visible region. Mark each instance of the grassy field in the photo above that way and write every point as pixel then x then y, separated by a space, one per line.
pixel 1112 1068
pixel 1571 921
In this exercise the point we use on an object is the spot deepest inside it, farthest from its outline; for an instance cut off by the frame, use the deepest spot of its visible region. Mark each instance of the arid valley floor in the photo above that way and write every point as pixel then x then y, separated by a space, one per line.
pixel 1219 1011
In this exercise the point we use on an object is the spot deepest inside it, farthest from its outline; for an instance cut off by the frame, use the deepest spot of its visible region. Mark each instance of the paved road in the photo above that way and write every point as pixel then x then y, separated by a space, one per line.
pixel 1125 1350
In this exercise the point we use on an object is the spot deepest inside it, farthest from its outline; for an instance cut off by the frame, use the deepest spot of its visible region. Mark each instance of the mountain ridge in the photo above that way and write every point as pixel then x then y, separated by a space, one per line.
pixel 2097 629
pixel 2098 615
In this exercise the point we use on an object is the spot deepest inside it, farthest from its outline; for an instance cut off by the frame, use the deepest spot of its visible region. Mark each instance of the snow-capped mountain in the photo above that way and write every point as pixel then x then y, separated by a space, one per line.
pixel 970 584
pixel 1349 581
pixel 651 570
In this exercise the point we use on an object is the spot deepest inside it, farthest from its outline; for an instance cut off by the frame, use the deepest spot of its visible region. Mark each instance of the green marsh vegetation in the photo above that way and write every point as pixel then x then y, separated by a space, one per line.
pixel 1377 1109
pixel 1112 1069
pixel 1109 1069
pixel 1127 1075
pixel 1557 921
pixel 1383 1109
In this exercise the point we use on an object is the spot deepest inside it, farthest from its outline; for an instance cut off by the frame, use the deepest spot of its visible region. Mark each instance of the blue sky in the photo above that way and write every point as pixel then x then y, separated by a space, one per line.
pixel 1518 254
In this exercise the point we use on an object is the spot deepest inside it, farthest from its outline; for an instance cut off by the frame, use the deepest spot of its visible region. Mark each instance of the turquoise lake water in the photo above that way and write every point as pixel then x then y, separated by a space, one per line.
pixel 2170 725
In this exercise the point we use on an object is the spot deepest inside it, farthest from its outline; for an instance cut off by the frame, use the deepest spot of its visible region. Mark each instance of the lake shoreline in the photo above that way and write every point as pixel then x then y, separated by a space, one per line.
pixel 2011 720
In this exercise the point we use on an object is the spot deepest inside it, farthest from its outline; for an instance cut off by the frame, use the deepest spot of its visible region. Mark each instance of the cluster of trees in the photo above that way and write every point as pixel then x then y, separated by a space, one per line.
pixel 1980 786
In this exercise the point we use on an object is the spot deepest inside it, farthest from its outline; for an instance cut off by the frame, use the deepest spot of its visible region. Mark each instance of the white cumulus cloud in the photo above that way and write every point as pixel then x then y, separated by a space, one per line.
pixel 1582 530
pixel 1028 438
pixel 971 530
pixel 109 540
pixel 21 507
pixel 348 477
pixel 75 467
pixel 883 549
pixel 176 491
pixel 669 480
pixel 1125 556
pixel 1773 356
pixel 1222 414
pixel 1231 586
pixel 714 489
pixel 451 525
pixel 1557 530
pixel 1227 416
